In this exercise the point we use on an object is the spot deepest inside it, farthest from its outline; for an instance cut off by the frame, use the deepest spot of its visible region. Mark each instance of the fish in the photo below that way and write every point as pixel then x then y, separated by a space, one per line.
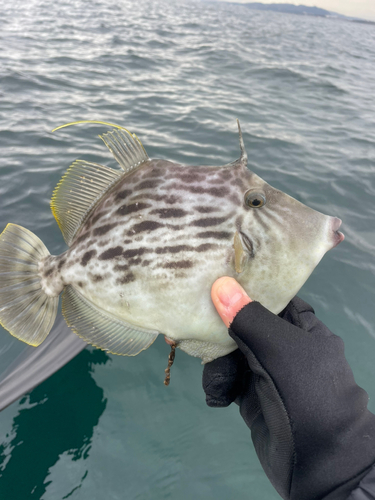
pixel 147 240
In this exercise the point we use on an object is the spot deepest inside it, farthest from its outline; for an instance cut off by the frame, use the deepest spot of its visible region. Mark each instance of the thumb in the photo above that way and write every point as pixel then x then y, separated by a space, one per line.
pixel 229 298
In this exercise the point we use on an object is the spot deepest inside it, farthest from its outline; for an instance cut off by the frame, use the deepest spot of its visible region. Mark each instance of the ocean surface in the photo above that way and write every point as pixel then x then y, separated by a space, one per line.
pixel 178 75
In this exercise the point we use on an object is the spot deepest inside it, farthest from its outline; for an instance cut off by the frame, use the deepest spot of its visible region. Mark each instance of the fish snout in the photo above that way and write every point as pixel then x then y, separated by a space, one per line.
pixel 337 236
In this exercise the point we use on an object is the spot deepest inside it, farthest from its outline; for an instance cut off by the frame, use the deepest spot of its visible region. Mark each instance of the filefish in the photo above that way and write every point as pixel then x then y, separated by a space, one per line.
pixel 147 241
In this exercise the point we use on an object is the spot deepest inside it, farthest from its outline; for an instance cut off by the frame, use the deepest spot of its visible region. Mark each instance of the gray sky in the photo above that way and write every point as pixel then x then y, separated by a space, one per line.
pixel 356 8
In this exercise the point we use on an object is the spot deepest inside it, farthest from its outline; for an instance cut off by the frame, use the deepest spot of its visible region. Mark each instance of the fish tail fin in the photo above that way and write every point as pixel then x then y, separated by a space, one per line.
pixel 26 311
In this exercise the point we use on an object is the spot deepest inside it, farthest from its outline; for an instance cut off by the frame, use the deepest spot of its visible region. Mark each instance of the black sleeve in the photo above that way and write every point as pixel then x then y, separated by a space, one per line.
pixel 309 421
pixel 366 488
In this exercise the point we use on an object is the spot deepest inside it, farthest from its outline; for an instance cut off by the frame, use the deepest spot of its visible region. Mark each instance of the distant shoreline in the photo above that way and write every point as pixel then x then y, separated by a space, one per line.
pixel 300 10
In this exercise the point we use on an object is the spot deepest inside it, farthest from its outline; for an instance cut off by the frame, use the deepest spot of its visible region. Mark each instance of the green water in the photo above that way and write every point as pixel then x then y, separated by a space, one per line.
pixel 178 74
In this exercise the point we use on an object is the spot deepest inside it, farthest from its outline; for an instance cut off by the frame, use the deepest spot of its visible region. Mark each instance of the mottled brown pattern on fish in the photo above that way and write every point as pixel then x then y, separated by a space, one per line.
pixel 102 243
pixel 209 221
pixel 135 252
pixel 172 249
pixel 87 256
pixel 225 174
pixel 122 195
pixel 101 230
pixel 192 177
pixel 163 216
pixel 96 217
pixel 156 173
pixel 217 192
pixel 179 264
pixel 169 200
pixel 218 181
pixel 111 253
pixel 83 236
pixel 121 267
pixel 239 182
pixel 218 235
pixel 134 262
pixel 238 222
pixel 169 213
pixel 60 264
pixel 48 272
pixel 205 210
pixel 205 247
pixel 147 225
pixel 130 209
pixel 128 278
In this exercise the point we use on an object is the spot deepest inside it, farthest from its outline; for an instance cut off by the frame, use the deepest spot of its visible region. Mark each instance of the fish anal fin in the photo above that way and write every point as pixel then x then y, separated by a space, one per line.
pixel 101 329
pixel 79 191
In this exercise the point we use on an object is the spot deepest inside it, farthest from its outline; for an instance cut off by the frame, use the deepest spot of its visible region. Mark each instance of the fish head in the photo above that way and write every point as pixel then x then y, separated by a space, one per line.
pixel 279 241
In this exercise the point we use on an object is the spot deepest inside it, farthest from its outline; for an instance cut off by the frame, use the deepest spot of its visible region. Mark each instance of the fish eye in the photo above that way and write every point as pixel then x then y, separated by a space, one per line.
pixel 255 200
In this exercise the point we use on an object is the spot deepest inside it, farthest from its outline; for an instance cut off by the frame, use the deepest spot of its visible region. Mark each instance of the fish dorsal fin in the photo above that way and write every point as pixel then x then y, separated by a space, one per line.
pixel 242 160
pixel 243 157
pixel 125 147
pixel 85 183
pixel 101 329
pixel 78 192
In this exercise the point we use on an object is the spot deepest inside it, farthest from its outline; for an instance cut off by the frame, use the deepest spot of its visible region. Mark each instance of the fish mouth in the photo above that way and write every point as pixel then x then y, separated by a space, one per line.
pixel 338 236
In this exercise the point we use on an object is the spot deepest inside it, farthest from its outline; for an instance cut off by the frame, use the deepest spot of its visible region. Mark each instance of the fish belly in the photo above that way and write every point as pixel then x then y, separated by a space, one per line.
pixel 174 302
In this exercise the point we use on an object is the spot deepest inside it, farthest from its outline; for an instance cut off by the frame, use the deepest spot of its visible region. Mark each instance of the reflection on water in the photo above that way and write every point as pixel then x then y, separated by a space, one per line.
pixel 58 418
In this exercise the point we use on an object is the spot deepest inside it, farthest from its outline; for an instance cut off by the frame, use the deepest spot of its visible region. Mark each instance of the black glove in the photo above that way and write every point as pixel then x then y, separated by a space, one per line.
pixel 309 421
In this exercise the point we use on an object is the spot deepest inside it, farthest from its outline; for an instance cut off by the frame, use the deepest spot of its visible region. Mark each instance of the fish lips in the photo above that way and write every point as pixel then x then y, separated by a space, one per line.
pixel 338 236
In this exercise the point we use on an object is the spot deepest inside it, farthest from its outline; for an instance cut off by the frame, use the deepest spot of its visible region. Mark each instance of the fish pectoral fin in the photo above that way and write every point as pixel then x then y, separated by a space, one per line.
pixel 101 329
pixel 125 147
pixel 241 256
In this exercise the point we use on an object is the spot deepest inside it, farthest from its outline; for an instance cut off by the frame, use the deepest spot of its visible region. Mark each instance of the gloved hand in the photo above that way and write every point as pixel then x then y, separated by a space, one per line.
pixel 309 421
